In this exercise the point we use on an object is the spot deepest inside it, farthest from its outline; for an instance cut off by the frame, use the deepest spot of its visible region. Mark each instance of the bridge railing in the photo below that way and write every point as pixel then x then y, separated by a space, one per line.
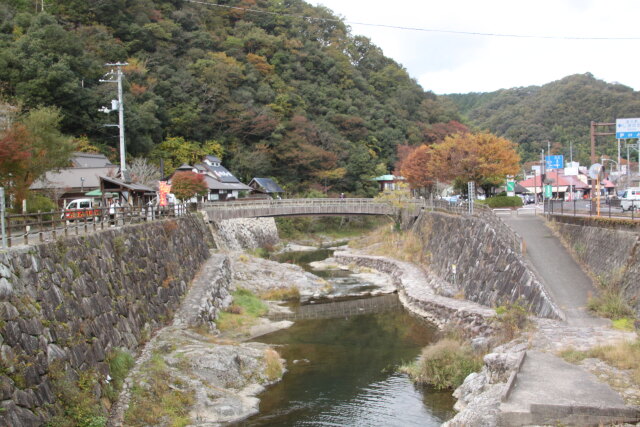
pixel 239 204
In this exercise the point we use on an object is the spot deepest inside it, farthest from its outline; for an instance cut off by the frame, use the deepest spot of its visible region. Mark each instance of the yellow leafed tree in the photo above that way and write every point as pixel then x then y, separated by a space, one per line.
pixel 483 158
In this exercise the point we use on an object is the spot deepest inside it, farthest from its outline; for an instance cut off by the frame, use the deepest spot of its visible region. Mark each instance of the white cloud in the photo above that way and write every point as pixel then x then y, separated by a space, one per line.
pixel 448 63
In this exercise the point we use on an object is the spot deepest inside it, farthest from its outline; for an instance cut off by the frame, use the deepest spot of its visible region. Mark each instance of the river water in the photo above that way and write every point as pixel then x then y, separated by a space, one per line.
pixel 342 366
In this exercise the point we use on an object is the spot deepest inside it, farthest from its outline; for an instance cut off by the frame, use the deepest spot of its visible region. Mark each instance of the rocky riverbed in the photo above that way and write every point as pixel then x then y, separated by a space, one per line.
pixel 219 374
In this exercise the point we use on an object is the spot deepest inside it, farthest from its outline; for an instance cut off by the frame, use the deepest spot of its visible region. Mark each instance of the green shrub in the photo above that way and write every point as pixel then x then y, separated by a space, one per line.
pixel 80 406
pixel 444 364
pixel 611 303
pixel 161 399
pixel 503 202
pixel 510 320
pixel 38 202
pixel 120 363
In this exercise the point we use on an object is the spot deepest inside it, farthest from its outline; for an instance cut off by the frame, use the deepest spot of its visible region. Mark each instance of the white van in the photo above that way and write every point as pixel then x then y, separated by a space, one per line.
pixel 630 199
pixel 79 209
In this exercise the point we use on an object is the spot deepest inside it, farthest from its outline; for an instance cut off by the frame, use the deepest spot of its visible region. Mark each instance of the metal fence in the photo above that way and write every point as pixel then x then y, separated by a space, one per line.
pixel 25 229
pixel 616 208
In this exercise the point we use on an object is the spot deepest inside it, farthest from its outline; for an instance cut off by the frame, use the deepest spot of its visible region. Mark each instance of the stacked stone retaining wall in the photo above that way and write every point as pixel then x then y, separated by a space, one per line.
pixel 489 267
pixel 611 254
pixel 67 304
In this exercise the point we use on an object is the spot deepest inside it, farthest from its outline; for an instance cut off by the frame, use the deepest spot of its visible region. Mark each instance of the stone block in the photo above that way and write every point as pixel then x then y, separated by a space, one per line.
pixel 8 311
pixel 6 289
pixel 6 387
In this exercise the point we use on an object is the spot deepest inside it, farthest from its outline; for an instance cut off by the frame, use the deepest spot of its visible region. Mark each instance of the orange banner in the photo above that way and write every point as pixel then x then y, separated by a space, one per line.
pixel 164 189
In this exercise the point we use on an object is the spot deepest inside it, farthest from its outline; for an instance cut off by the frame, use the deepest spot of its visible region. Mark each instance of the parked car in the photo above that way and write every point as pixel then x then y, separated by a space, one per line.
pixel 453 200
pixel 630 199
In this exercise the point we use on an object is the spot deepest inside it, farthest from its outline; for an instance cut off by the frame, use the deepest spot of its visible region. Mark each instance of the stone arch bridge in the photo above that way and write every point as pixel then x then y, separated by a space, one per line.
pixel 308 207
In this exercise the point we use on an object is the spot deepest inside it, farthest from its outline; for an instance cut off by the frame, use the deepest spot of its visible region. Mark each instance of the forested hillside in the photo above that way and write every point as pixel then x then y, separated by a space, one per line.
pixel 559 112
pixel 281 90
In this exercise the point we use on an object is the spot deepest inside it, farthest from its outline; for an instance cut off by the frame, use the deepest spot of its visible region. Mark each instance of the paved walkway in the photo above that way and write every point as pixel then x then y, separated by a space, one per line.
pixel 548 389
pixel 561 275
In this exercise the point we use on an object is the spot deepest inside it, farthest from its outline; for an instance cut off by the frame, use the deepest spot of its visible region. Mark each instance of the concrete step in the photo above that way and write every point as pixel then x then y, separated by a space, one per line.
pixel 549 391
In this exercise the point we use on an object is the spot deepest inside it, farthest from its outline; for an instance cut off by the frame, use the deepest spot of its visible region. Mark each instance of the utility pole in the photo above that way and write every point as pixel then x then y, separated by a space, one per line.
pixel 593 137
pixel 117 75
pixel 571 151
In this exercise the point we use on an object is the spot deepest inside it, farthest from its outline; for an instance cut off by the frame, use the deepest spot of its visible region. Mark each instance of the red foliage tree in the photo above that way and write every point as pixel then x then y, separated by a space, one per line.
pixel 15 156
pixel 416 168
pixel 437 132
pixel 187 184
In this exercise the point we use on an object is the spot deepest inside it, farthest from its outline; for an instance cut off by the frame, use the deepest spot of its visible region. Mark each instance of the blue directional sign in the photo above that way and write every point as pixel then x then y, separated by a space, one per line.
pixel 554 162
pixel 627 128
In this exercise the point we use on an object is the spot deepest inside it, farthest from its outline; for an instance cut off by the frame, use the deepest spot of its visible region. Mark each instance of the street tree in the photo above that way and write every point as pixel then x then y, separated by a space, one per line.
pixel 416 168
pixel 483 158
pixel 30 147
pixel 187 184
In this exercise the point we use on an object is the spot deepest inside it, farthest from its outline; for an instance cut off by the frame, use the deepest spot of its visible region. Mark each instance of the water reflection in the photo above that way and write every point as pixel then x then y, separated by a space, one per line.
pixel 343 372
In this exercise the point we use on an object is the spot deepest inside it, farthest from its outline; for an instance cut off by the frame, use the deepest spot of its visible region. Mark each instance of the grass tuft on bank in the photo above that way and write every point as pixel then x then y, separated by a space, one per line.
pixel 611 303
pixel 274 367
pixel 444 365
pixel 244 311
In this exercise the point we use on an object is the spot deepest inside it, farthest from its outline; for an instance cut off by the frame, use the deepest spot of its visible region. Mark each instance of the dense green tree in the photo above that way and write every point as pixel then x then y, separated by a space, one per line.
pixel 293 98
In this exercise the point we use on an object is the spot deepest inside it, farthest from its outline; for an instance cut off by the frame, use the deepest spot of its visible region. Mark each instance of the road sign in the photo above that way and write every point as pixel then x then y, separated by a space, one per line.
pixel 548 191
pixel 511 188
pixel 554 162
pixel 627 128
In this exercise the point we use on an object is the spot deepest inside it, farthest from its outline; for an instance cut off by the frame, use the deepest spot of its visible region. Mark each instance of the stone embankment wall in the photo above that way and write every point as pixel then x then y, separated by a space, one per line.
pixel 489 266
pixel 611 254
pixel 66 304
pixel 244 233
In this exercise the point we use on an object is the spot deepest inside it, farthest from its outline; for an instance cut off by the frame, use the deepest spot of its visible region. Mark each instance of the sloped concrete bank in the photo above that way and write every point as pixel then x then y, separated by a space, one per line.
pixel 417 294
pixel 489 267
pixel 65 305
pixel 610 254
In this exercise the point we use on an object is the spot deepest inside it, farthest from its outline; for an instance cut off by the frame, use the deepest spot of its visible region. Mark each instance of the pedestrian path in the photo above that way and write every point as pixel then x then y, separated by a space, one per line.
pixel 569 286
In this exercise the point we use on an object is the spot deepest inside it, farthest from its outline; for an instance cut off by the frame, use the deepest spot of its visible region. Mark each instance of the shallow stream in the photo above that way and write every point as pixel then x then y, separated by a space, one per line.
pixel 342 367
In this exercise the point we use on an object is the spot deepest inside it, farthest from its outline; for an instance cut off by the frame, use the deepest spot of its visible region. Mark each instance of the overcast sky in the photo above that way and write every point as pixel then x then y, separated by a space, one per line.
pixel 454 63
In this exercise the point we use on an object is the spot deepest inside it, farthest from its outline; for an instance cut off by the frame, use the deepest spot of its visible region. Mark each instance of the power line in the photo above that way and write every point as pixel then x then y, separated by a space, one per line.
pixel 427 30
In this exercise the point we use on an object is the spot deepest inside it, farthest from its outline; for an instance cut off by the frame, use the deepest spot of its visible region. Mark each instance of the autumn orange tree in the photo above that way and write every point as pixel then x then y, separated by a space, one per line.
pixel 416 168
pixel 483 158
pixel 31 147
pixel 187 184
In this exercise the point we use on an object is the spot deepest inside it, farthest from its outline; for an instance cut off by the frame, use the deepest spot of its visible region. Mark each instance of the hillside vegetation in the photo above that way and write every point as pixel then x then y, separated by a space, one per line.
pixel 277 87
pixel 559 112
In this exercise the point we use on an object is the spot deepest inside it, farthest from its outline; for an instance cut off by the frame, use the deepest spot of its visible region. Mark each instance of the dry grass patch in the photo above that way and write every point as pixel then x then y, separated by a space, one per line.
pixel 624 355
pixel 281 294
pixel 274 367
pixel 385 241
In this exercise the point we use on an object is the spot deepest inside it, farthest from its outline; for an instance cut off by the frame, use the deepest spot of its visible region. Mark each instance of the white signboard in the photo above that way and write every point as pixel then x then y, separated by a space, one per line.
pixel 627 128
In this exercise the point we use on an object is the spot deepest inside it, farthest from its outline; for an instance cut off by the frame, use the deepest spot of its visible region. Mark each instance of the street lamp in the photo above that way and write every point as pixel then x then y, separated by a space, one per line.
pixel 82 184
